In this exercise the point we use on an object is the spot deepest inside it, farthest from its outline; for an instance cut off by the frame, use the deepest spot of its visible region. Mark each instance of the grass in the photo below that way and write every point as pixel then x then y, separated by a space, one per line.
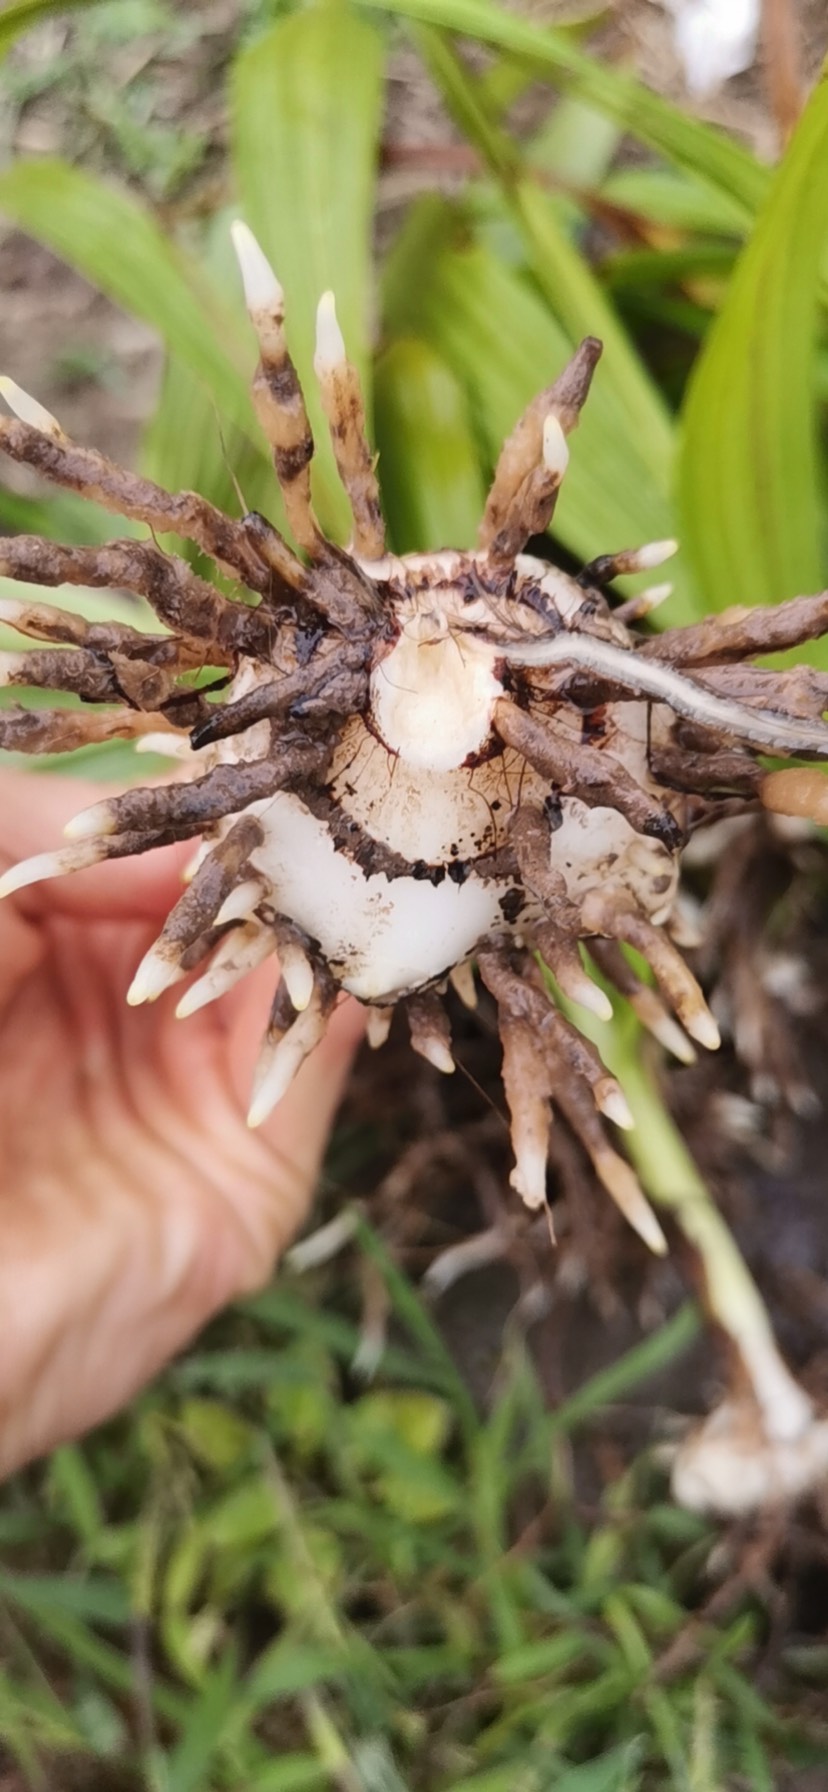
pixel 273 1576
pixel 270 1575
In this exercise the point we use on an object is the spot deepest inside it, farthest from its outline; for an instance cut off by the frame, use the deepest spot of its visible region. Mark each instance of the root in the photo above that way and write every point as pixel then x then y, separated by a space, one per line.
pixel 586 772
pixel 513 502
pixel 86 471
pixel 344 408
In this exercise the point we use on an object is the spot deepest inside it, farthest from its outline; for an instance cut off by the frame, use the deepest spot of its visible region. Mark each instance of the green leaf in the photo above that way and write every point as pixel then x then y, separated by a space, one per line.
pixel 614 1772
pixel 306 103
pixel 500 340
pixel 94 1598
pixel 189 445
pixel 432 487
pixel 61 517
pixel 421 1422
pixel 288 1667
pixel 675 199
pixel 549 1655
pixel 291 1773
pixel 188 1764
pixel 750 470
pixel 705 152
pixel 215 1434
pixel 564 277
pixel 115 243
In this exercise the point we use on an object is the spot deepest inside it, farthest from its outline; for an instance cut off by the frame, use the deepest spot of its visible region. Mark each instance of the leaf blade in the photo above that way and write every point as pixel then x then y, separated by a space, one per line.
pixel 502 343
pixel 749 463
pixel 304 147
pixel 81 217
pixel 700 148
pixel 422 423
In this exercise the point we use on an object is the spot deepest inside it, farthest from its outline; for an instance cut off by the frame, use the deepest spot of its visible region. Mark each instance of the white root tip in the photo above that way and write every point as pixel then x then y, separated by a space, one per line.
pixel 463 983
pixel 528 1178
pixel 673 1038
pixel 241 902
pixel 92 823
pixel 702 1027
pixel 555 450
pixel 9 663
pixel 171 746
pixel 436 1052
pixel 623 1185
pixel 654 553
pixel 611 1101
pixel 240 953
pixel 280 1060
pixel 297 972
pixel 197 996
pixel 262 292
pixel 28 409
pixel 588 995
pixel 12 611
pixel 156 972
pixel 49 864
pixel 378 1026
pixel 280 1074
pixel 649 600
pixel 330 342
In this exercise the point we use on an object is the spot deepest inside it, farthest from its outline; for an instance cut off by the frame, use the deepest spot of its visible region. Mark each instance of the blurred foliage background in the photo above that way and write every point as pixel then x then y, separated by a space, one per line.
pixel 273 1576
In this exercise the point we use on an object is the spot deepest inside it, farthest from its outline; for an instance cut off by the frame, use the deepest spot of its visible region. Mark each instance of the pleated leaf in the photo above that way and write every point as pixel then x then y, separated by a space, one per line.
pixel 432 485
pixel 704 151
pixel 503 344
pixel 751 474
pixel 188 444
pixel 565 278
pixel 110 238
pixel 306 103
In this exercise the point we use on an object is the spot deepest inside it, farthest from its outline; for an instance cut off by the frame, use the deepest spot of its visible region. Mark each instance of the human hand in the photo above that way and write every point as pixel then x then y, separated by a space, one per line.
pixel 134 1200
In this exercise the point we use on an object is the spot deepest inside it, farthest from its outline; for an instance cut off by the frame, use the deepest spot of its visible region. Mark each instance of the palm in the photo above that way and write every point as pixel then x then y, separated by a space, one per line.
pixel 137 1199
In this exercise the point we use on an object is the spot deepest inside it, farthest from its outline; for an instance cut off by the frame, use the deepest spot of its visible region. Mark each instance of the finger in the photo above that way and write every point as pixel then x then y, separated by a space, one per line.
pixel 22 946
pixel 34 809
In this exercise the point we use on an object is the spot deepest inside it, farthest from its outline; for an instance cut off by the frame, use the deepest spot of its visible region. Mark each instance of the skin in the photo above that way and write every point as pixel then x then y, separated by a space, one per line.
pixel 134 1201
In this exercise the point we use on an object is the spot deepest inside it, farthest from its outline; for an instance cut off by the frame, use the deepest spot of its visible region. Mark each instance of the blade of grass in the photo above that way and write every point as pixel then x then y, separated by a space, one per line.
pixel 669 1175
pixel 419 1324
pixel 306 100
pixel 751 479
pixel 648 1358
pixel 186 1768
